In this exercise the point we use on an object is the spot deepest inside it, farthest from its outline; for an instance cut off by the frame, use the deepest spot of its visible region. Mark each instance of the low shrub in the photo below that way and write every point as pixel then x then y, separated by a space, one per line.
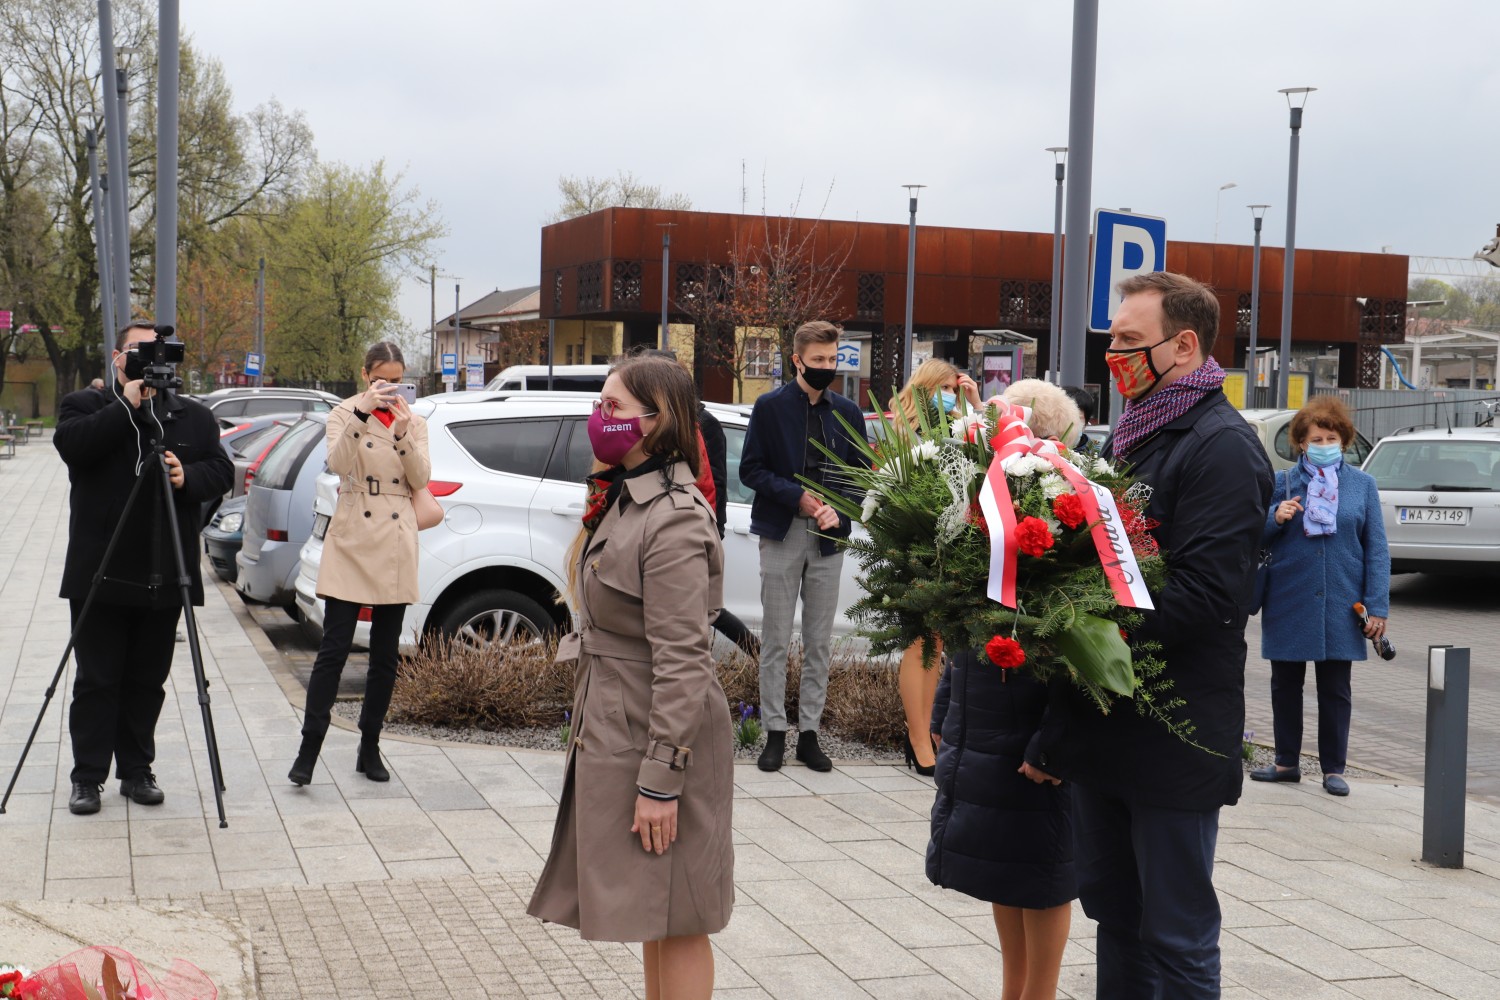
pixel 449 683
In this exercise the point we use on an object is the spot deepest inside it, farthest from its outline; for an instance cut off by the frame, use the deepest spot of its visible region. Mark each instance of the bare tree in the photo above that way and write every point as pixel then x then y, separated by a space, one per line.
pixel 582 195
pixel 773 279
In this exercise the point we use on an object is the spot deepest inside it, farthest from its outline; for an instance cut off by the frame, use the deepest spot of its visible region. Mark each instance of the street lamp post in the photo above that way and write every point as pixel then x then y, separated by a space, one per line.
pixel 911 279
pixel 663 342
pixel 1218 199
pixel 1060 157
pixel 1259 211
pixel 1284 375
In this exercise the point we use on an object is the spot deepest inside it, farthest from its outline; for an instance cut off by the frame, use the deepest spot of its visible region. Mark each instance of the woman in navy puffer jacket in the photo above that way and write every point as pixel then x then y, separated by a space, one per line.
pixel 996 835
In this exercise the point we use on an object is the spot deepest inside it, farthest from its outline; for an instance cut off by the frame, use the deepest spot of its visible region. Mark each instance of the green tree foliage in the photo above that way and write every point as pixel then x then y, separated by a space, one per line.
pixel 336 252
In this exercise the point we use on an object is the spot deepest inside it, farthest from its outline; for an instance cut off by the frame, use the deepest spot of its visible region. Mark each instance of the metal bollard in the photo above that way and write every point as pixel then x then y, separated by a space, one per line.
pixel 1444 798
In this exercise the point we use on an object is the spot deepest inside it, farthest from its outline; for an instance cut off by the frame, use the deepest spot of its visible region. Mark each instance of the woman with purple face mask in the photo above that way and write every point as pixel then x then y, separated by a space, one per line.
pixel 651 763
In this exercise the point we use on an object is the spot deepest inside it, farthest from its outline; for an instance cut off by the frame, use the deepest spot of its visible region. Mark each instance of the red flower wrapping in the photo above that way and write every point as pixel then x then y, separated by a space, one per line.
pixel 1005 652
pixel 1033 537
pixel 1069 509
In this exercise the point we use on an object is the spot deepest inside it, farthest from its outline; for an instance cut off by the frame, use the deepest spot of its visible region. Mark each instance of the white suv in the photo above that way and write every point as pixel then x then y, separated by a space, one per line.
pixel 509 475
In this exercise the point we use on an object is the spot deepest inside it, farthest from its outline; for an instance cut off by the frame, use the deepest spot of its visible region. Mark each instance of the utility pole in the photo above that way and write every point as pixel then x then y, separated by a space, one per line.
pixel 101 247
pixel 260 320
pixel 167 63
pixel 118 156
pixel 1080 193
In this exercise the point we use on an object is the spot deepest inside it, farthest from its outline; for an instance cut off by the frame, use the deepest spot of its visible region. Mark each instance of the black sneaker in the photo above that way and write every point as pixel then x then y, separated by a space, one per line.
pixel 143 791
pixel 809 753
pixel 85 798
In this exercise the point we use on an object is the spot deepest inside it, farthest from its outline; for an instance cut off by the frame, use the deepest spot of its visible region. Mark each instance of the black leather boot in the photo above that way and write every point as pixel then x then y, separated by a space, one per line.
pixel 307 758
pixel 369 763
pixel 809 753
pixel 770 757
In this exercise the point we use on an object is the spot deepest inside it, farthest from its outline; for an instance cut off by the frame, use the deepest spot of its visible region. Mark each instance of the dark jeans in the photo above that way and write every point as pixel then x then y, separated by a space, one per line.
pixel 339 618
pixel 1146 875
pixel 1335 704
pixel 124 655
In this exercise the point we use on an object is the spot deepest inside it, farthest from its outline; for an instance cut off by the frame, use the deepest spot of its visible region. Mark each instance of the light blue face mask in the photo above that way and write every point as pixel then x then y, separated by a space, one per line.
pixel 1323 455
pixel 946 400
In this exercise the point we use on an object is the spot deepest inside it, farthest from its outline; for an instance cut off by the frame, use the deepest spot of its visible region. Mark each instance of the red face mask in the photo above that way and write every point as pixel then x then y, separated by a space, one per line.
pixel 1134 372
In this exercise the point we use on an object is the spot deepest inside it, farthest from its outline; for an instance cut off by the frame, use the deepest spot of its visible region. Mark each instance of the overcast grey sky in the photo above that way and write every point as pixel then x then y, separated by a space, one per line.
pixel 485 104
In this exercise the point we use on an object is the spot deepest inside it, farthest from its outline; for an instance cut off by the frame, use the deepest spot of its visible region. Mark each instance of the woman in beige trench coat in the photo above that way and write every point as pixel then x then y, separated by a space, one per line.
pixel 642 849
pixel 379 448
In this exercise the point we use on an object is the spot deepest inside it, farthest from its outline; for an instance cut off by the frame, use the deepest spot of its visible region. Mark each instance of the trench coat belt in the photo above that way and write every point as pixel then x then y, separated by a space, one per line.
pixel 601 643
pixel 374 487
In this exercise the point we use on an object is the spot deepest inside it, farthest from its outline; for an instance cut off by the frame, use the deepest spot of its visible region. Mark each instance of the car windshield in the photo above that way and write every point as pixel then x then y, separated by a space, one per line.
pixel 1436 464
pixel 279 468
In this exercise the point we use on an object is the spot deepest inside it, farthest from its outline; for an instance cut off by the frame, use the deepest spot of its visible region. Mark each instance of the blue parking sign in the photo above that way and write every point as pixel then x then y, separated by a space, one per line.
pixel 1125 244
pixel 450 364
pixel 253 362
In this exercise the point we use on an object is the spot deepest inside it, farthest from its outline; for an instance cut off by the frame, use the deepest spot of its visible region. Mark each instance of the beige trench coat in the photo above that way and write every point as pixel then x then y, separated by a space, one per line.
pixel 370 550
pixel 651 581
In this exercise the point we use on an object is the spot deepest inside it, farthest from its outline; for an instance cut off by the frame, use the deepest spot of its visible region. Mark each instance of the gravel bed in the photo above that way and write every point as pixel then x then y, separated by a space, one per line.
pixel 548 738
pixel 545 738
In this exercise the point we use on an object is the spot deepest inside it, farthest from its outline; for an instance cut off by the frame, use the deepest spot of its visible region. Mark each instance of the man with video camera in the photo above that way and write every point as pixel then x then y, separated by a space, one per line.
pixel 124 652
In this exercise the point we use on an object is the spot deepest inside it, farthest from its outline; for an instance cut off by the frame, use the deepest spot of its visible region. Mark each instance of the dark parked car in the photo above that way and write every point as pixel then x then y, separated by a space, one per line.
pixel 222 537
pixel 279 513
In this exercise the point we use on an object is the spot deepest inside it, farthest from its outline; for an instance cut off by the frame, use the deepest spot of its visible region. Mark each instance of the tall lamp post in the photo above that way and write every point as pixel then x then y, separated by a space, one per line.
pixel 1060 158
pixel 666 262
pixel 1296 100
pixel 1218 199
pixel 911 279
pixel 1259 211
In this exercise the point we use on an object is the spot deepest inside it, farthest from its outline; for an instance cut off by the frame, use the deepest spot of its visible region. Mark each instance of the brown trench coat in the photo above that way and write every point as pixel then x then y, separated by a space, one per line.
pixel 370 550
pixel 651 579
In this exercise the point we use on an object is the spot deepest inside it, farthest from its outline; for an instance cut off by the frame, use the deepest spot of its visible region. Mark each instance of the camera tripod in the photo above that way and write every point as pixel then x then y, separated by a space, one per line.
pixel 184 589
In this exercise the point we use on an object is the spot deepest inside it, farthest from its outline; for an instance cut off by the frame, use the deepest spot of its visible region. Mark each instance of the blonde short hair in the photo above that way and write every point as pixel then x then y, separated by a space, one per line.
pixel 1053 412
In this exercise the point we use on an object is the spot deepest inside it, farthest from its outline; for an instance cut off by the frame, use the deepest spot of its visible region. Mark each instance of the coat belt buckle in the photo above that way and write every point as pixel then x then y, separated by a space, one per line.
pixel 372 486
pixel 679 759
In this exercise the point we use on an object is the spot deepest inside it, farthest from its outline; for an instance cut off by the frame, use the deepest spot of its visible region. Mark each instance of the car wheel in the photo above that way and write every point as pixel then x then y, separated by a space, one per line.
pixel 495 616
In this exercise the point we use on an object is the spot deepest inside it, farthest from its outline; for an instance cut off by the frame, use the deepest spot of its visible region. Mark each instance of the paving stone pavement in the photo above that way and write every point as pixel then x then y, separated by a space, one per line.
pixel 338 885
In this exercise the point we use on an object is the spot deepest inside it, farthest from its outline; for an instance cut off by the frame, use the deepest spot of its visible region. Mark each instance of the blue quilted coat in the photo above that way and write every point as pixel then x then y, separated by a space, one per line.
pixel 1314 582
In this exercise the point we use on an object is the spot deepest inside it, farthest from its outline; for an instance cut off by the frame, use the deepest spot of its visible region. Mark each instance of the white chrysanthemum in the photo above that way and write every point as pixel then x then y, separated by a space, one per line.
pixel 1027 465
pixel 962 425
pixel 925 452
pixel 871 505
pixel 1054 486
pixel 1102 467
pixel 1052 525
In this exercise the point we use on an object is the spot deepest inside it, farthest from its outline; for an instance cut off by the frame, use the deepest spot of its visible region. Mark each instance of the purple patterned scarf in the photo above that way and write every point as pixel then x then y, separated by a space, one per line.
pixel 1144 417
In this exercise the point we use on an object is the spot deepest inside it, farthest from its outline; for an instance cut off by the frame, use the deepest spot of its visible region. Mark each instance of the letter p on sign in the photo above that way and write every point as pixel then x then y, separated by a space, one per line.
pixel 1124 245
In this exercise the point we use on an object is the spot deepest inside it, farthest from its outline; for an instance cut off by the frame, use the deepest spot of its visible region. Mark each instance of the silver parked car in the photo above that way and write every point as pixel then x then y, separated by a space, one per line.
pixel 279 513
pixel 1440 497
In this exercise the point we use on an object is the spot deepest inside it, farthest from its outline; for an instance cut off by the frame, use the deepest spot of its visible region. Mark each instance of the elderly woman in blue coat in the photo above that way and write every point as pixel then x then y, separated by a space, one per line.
pixel 1327 543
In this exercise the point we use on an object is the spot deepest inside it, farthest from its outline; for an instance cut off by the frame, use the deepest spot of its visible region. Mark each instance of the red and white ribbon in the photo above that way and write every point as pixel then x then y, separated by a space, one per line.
pixel 1013 441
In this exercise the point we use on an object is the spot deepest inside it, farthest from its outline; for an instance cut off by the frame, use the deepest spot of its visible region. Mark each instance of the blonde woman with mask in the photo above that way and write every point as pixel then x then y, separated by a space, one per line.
pixel 936 385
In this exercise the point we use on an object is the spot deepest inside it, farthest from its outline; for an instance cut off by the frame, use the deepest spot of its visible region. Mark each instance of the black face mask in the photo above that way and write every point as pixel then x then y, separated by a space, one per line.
pixel 818 378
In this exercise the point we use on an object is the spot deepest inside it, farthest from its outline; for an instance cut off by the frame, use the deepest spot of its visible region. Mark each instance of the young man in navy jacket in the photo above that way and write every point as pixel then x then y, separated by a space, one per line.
pixel 797 555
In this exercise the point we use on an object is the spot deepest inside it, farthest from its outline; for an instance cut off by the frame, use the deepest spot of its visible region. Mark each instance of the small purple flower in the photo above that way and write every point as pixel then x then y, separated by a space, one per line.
pixel 567 716
pixel 746 711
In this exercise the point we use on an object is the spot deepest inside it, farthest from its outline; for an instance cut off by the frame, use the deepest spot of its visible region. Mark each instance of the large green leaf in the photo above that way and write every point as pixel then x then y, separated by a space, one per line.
pixel 1096 650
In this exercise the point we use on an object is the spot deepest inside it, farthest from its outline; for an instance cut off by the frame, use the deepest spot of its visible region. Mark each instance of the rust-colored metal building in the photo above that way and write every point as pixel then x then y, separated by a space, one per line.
pixel 608 266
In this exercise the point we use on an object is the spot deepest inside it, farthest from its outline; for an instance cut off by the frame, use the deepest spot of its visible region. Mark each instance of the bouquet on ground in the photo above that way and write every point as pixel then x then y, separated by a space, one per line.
pixel 1038 556
pixel 104 973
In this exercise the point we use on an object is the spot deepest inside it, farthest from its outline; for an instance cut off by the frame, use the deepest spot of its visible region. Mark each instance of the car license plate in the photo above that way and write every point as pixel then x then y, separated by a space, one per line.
pixel 1433 515
pixel 320 526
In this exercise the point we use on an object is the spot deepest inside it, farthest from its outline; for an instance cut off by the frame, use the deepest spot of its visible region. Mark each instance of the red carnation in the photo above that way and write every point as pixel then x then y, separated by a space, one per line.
pixel 976 518
pixel 1033 537
pixel 1005 652
pixel 1069 509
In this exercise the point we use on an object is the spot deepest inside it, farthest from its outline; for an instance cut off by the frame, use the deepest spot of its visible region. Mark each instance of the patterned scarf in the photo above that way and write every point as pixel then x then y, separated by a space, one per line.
pixel 605 488
pixel 1320 513
pixel 1144 417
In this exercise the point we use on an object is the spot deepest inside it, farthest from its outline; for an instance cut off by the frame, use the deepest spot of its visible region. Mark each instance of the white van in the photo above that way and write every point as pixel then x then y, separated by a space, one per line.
pixel 565 378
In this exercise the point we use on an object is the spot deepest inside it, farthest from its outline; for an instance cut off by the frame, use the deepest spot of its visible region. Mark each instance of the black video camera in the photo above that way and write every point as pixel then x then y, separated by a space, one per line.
pixel 155 362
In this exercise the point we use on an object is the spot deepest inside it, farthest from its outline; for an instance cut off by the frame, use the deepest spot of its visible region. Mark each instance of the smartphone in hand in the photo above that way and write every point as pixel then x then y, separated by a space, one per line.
pixel 406 390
